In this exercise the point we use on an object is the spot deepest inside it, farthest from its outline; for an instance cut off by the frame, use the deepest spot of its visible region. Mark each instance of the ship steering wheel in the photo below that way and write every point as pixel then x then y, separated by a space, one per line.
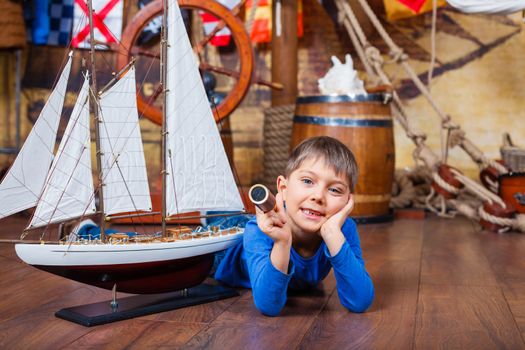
pixel 230 66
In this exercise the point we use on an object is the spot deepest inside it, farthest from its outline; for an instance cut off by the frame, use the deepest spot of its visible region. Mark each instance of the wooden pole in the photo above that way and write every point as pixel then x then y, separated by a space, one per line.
pixel 94 88
pixel 284 51
pixel 163 77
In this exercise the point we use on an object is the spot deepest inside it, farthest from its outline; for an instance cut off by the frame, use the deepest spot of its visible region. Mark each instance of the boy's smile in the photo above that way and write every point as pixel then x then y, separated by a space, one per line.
pixel 312 194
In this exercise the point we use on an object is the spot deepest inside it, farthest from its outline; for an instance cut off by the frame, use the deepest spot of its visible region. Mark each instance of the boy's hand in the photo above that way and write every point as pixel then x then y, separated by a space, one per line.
pixel 273 223
pixel 336 221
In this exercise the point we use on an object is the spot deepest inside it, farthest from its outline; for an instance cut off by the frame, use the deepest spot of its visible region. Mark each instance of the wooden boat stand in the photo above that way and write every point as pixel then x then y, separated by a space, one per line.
pixel 145 304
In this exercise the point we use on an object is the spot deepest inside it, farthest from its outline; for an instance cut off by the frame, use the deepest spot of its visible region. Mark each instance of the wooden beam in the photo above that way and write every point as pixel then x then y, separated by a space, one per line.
pixel 284 51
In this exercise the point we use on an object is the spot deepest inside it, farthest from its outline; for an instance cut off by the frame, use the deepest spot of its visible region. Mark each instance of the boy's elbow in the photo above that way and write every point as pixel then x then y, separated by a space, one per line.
pixel 271 312
pixel 268 308
pixel 360 304
pixel 357 307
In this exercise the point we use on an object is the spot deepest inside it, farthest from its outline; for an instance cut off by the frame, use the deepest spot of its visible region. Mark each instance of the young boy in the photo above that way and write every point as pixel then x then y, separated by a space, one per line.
pixel 309 232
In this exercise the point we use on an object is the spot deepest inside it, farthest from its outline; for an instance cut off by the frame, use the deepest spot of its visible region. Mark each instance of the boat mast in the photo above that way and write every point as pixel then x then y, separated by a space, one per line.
pixel 97 120
pixel 163 79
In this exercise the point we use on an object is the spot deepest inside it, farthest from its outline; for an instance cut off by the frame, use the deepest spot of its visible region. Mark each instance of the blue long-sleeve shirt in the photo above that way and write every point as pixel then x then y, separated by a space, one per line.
pixel 248 265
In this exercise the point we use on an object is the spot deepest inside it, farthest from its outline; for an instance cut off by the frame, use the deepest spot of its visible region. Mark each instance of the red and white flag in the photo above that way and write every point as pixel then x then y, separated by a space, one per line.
pixel 262 20
pixel 223 36
pixel 107 22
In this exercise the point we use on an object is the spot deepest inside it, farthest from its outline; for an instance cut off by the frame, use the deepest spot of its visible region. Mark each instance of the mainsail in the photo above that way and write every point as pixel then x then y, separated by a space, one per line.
pixel 69 187
pixel 24 182
pixel 199 175
pixel 123 165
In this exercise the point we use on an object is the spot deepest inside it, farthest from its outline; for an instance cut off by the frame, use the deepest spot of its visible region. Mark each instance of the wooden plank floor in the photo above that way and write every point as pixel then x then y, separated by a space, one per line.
pixel 440 283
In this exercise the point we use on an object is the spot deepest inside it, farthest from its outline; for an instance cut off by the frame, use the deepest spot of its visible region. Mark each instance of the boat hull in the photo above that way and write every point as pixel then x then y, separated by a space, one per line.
pixel 144 278
pixel 139 268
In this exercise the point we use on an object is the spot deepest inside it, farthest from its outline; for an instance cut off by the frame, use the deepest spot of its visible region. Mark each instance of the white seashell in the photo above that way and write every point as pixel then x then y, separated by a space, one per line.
pixel 341 79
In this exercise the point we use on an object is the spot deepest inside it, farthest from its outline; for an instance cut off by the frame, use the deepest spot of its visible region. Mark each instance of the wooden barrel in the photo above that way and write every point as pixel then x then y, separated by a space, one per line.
pixel 364 124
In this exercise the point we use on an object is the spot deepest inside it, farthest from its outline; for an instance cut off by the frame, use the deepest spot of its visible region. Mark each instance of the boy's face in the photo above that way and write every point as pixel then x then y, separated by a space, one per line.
pixel 313 193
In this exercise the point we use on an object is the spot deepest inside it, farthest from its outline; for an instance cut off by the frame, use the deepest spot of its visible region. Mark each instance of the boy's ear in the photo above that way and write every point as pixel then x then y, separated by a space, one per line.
pixel 282 186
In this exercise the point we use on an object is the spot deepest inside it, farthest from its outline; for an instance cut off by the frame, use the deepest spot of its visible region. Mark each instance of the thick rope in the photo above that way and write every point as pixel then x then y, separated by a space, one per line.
pixel 408 193
pixel 432 44
pixel 373 56
pixel 477 189
pixel 341 6
pixel 403 191
pixel 505 222
pixel 442 211
pixel 411 187
pixel 519 223
pixel 465 209
pixel 396 51
pixel 499 167
pixel 278 122
pixel 493 186
pixel 455 136
pixel 442 183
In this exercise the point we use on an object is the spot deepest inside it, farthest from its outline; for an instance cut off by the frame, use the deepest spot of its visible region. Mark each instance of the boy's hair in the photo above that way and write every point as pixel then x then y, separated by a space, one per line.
pixel 335 154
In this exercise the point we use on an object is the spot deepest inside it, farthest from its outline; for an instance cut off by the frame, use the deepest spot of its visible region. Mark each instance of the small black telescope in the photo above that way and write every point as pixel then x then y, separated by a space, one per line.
pixel 261 196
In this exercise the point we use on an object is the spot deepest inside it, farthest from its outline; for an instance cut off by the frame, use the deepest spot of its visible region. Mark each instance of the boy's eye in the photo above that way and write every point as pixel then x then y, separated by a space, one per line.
pixel 335 190
pixel 307 181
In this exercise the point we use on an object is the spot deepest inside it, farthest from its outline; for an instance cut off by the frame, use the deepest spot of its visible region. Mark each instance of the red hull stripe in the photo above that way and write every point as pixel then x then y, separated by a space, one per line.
pixel 143 278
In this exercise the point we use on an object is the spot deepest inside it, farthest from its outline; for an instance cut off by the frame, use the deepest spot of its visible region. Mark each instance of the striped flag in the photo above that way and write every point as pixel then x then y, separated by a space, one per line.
pixel 262 21
pixel 223 36
pixel 398 9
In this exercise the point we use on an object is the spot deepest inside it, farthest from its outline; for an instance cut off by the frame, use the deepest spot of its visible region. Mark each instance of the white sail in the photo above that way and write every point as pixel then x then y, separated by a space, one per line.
pixel 24 182
pixel 69 187
pixel 123 165
pixel 488 6
pixel 199 175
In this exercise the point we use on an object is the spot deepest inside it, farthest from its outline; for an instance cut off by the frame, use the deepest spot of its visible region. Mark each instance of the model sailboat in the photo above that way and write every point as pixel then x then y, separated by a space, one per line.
pixel 197 177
